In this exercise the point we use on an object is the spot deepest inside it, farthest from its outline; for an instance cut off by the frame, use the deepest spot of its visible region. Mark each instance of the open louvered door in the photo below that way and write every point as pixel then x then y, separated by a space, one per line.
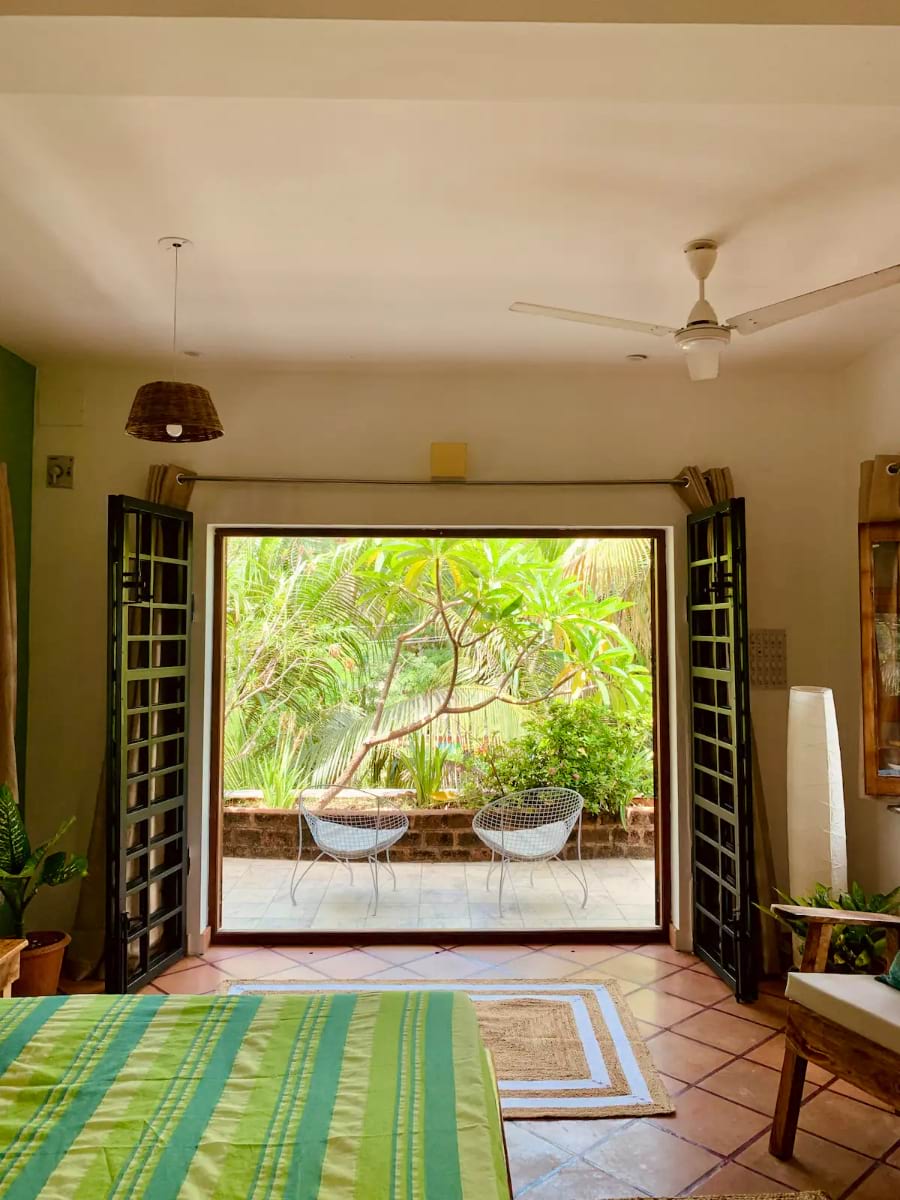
pixel 150 609
pixel 722 802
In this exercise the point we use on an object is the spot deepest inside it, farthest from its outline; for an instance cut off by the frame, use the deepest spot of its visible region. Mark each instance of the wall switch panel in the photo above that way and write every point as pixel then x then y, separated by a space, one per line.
pixel 60 471
pixel 768 658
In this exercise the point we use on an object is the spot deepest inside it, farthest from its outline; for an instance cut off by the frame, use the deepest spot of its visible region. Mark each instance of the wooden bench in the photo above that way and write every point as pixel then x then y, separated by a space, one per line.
pixel 10 949
pixel 846 1024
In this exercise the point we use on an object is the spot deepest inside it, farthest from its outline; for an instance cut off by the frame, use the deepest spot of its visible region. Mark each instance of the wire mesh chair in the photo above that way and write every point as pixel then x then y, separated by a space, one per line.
pixel 531 826
pixel 347 826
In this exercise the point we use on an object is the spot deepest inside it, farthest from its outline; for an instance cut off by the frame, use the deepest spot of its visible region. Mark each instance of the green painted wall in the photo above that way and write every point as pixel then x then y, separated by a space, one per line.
pixel 17 379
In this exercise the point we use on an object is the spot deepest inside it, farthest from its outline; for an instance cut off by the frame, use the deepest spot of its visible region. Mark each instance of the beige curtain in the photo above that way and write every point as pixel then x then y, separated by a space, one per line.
pixel 8 636
pixel 704 489
pixel 84 958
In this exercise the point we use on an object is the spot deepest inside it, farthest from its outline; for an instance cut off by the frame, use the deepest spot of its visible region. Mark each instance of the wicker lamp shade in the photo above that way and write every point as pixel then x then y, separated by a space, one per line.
pixel 166 405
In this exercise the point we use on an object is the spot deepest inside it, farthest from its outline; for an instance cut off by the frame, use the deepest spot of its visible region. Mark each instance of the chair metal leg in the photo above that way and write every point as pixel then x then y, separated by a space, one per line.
pixel 487 883
pixel 373 867
pixel 504 867
pixel 294 886
pixel 389 865
pixel 582 878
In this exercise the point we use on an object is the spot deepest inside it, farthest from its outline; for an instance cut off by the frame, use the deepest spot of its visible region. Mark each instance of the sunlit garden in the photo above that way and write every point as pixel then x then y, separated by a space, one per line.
pixel 436 674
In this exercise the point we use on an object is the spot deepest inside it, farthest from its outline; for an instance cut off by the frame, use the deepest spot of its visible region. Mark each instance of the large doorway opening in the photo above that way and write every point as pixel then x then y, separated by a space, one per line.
pixel 421 731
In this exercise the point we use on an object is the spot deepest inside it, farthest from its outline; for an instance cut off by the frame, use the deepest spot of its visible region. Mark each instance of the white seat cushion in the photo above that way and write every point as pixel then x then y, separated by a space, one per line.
pixel 543 841
pixel 856 1002
pixel 340 839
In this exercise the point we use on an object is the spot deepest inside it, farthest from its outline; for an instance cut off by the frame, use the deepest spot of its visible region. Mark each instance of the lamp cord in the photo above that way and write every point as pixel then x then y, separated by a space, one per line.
pixel 175 315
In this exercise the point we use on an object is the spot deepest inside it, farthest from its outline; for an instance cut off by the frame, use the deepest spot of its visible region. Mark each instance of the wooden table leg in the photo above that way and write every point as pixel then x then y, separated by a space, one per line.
pixel 10 949
pixel 787 1108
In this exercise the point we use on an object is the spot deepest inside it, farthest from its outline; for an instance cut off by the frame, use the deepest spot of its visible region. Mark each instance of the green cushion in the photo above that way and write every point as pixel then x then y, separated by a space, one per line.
pixel 892 978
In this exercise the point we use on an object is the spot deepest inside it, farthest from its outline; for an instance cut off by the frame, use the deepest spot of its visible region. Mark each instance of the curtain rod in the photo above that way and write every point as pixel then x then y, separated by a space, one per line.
pixel 679 481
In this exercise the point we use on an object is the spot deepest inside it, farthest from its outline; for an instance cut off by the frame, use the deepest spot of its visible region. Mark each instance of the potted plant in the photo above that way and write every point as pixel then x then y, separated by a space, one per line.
pixel 23 872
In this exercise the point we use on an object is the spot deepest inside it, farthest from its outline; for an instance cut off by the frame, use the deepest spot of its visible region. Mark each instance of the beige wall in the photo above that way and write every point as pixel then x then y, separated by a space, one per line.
pixel 790 439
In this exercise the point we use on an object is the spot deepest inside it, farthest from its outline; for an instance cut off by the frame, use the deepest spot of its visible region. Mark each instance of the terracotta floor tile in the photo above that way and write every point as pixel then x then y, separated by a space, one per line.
pixel 574 1136
pixel 645 1029
pixel 773 987
pixel 691 985
pixel 672 1085
pixel 648 1158
pixel 216 953
pixel 843 1088
pixel 882 1184
pixel 816 1164
pixel 771 1054
pixel 448 965
pixel 586 953
pixel 767 1010
pixel 856 1126
pixel 667 953
pixel 254 965
pixel 311 954
pixel 712 1121
pixel 894 1159
pixel 293 971
pixel 493 955
pixel 185 964
pixel 581 1181
pixel 150 989
pixel 536 965
pixel 530 1157
pixel 725 1032
pixel 198 981
pixel 660 1009
pixel 733 1179
pixel 748 1083
pixel 702 969
pixel 352 964
pixel 683 1058
pixel 399 974
pixel 637 968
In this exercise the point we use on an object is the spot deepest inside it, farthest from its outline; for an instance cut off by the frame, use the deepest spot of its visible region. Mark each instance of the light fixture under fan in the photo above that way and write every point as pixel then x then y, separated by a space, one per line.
pixel 703 337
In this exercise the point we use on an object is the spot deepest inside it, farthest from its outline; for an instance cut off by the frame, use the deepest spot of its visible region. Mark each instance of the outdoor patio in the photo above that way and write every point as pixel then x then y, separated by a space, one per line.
pixel 256 896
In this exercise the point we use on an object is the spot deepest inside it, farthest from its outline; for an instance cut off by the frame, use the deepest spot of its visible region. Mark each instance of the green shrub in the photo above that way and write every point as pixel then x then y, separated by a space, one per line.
pixel 605 755
pixel 854 949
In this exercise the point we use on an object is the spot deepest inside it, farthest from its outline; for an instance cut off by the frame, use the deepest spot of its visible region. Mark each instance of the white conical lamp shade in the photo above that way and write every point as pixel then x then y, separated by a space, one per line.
pixel 817 837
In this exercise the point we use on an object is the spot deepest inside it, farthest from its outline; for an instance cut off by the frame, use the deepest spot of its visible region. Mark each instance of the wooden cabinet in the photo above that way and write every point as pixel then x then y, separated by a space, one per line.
pixel 879 577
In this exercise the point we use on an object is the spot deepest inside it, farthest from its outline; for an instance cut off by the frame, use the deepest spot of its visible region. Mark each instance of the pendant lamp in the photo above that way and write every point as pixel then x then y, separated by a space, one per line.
pixel 170 411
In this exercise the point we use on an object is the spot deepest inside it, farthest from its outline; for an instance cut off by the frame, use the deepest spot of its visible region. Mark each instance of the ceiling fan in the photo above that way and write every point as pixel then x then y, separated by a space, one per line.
pixel 703 337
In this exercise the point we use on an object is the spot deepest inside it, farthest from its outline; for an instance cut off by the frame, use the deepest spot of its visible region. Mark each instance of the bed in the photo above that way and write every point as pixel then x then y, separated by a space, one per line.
pixel 330 1096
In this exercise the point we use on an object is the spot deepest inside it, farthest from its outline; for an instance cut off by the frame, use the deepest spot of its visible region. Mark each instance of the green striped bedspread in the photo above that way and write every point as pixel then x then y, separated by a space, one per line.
pixel 366 1096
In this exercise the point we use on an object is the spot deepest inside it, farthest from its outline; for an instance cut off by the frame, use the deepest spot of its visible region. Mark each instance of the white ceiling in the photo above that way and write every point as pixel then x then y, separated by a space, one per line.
pixel 382 191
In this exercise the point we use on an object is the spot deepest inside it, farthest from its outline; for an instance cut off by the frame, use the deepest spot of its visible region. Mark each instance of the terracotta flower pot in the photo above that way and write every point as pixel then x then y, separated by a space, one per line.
pixel 41 963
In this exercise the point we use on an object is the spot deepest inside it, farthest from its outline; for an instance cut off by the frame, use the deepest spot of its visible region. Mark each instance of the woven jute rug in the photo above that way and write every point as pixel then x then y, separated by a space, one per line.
pixel 560 1049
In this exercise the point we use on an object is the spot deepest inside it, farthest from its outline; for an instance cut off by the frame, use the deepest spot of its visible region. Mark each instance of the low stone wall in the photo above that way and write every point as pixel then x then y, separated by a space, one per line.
pixel 434 835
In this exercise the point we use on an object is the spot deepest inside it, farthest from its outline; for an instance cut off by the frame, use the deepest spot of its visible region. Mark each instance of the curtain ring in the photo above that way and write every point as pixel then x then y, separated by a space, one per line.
pixel 893 468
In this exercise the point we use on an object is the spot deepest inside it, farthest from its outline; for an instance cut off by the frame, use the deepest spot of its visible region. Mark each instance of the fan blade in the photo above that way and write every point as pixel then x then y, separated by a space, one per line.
pixel 569 314
pixel 810 302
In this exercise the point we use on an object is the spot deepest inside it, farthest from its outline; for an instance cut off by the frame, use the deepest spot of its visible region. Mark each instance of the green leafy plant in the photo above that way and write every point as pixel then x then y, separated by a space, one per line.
pixel 24 869
pixel 423 768
pixel 854 949
pixel 580 744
